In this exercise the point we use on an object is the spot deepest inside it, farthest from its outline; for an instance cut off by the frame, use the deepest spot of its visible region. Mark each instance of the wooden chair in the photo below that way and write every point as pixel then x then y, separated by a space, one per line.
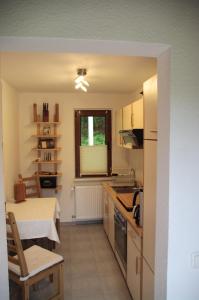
pixel 32 186
pixel 28 267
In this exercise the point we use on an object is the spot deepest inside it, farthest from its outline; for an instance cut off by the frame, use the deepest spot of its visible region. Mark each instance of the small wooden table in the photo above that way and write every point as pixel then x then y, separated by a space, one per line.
pixel 37 218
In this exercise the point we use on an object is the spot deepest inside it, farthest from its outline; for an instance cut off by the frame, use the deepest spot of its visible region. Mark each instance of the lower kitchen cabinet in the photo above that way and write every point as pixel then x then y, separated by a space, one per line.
pixel 147 283
pixel 105 212
pixel 111 225
pixel 134 263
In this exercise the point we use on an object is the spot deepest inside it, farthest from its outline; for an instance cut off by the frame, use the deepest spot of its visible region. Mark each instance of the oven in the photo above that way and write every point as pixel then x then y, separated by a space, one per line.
pixel 120 238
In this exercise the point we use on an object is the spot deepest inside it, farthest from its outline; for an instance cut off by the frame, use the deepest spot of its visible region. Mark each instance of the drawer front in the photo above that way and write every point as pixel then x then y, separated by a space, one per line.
pixel 134 236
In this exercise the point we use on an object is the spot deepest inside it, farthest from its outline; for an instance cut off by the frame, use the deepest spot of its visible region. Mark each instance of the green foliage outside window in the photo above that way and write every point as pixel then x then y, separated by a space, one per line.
pixel 98 130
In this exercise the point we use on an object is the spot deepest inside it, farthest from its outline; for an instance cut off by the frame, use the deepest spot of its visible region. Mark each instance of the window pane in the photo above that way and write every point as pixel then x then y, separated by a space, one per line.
pixel 93 142
pixel 92 130
pixel 84 131
pixel 99 130
pixel 93 159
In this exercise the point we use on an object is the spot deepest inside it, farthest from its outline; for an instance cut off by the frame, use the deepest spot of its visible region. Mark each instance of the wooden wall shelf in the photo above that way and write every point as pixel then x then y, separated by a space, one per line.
pixel 46 161
pixel 50 136
pixel 47 123
pixel 47 149
pixel 46 144
pixel 47 175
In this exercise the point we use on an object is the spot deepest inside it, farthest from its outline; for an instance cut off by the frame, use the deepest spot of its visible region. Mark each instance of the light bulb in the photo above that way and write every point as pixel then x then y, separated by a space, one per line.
pixel 85 82
pixel 78 85
pixel 79 78
pixel 80 82
pixel 83 88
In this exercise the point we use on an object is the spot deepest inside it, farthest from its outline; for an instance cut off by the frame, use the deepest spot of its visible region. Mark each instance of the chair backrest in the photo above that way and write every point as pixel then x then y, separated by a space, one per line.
pixel 14 245
pixel 32 186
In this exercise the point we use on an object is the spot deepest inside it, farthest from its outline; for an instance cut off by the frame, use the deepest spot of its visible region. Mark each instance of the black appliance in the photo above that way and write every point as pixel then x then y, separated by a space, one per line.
pixel 133 137
pixel 48 182
pixel 121 237
pixel 138 207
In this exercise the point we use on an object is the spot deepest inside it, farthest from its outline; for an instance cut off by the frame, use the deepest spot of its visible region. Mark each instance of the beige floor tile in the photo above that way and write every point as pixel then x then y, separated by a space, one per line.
pixel 107 268
pixel 87 287
pixel 83 269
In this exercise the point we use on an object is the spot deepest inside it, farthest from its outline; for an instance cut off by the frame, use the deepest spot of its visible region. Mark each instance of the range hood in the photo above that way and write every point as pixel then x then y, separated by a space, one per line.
pixel 132 138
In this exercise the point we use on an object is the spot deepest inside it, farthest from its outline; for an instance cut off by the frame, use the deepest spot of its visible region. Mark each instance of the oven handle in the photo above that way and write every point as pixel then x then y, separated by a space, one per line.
pixel 119 216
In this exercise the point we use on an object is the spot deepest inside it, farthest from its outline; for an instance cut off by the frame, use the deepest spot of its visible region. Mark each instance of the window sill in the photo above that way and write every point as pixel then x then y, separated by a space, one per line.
pixel 93 179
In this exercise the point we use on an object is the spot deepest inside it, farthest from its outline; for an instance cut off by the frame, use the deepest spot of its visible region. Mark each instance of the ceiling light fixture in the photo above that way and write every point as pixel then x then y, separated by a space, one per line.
pixel 80 82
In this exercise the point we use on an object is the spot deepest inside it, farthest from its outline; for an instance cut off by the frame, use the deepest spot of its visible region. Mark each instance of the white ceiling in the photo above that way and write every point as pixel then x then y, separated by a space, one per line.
pixel 47 72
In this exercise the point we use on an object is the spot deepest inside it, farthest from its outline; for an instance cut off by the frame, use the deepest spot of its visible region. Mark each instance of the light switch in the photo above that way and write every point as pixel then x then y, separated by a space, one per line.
pixel 195 260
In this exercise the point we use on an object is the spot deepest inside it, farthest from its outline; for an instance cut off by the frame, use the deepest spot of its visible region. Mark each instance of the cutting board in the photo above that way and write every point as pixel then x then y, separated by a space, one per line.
pixel 126 200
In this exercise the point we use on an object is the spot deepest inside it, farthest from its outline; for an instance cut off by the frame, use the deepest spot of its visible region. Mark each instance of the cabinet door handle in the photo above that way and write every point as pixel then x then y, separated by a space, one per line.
pixel 153 130
pixel 132 120
pixel 136 266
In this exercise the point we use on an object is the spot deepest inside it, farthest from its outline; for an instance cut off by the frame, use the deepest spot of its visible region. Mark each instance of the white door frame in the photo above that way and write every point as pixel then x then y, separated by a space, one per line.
pixel 4 290
pixel 126 48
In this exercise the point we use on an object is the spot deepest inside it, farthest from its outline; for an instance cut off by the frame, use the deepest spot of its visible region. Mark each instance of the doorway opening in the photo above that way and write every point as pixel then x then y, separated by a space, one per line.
pixel 162 54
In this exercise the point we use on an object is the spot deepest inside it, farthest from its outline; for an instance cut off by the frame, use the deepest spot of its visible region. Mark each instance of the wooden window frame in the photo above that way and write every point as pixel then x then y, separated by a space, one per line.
pixel 108 139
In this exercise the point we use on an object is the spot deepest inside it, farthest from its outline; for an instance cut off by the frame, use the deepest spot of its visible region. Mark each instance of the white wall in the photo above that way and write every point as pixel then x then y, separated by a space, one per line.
pixel 136 161
pixel 169 22
pixel 10 110
pixel 67 103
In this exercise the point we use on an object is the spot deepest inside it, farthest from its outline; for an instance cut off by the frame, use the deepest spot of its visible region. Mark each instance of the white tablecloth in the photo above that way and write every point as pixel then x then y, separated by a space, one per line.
pixel 36 217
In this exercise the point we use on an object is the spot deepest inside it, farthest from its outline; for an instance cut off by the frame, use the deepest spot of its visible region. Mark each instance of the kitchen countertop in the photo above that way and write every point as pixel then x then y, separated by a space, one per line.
pixel 127 215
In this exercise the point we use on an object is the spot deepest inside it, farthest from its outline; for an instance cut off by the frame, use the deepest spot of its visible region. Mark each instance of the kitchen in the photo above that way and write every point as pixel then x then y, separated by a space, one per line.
pixel 121 156
pixel 168 31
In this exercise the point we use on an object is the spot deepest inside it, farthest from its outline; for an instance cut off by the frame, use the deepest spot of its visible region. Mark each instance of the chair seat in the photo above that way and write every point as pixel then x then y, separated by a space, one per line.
pixel 37 260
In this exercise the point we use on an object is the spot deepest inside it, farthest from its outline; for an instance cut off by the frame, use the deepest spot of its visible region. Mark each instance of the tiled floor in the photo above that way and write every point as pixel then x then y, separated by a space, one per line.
pixel 91 270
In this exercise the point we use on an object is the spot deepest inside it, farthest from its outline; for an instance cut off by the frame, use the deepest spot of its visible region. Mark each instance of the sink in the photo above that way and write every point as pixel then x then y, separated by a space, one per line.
pixel 125 189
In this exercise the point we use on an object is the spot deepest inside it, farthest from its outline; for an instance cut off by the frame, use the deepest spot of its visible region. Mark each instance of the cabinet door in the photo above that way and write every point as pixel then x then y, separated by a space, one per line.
pixel 105 211
pixel 133 268
pixel 147 283
pixel 150 108
pixel 150 153
pixel 111 225
pixel 118 126
pixel 137 110
pixel 127 117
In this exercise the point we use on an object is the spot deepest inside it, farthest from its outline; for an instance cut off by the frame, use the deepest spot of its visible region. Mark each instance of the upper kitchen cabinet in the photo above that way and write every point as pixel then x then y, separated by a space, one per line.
pixel 133 115
pixel 127 117
pixel 137 113
pixel 118 127
pixel 150 108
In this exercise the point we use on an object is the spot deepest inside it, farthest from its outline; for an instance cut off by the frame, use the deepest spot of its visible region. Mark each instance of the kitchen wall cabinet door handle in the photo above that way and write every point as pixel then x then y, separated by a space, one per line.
pixel 132 120
pixel 136 266
pixel 153 130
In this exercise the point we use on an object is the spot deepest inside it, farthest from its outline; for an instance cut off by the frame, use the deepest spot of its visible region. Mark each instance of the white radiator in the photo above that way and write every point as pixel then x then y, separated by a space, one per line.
pixel 88 201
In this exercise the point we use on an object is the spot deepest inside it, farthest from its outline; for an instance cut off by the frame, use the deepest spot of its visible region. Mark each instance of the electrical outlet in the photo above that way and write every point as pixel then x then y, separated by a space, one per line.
pixel 195 260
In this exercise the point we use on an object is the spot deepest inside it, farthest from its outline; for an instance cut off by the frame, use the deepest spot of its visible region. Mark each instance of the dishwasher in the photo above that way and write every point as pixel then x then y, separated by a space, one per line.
pixel 121 239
